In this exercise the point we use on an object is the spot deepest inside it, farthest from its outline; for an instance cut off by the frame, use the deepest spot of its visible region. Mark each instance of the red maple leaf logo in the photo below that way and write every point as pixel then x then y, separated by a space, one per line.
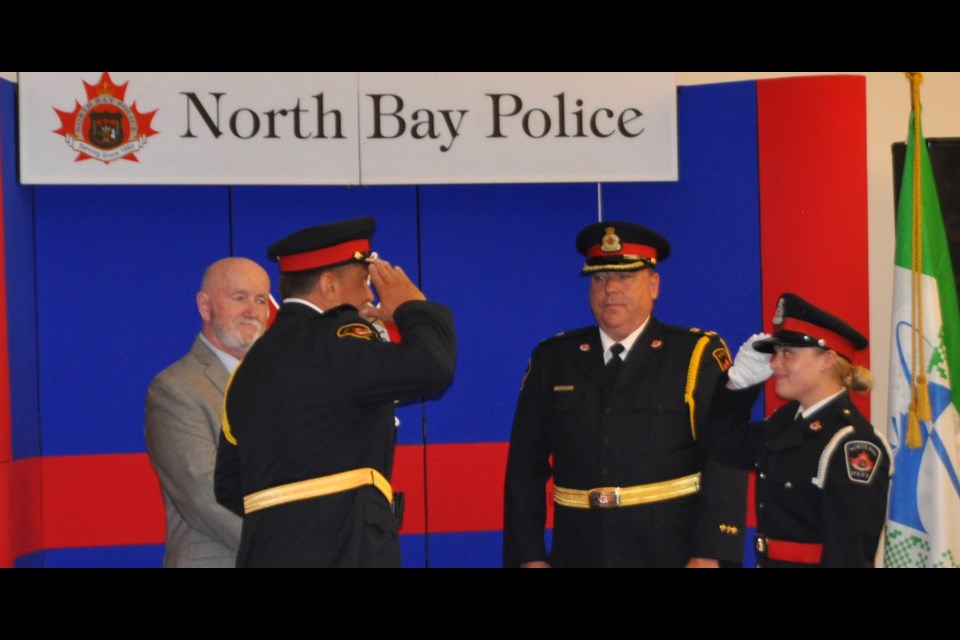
pixel 862 461
pixel 105 128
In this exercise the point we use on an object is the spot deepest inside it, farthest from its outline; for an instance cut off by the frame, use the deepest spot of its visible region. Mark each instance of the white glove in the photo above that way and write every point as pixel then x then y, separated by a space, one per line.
pixel 750 367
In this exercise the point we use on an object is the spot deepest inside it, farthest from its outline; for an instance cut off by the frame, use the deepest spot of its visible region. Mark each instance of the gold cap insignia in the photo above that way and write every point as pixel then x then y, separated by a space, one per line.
pixel 611 241
pixel 778 314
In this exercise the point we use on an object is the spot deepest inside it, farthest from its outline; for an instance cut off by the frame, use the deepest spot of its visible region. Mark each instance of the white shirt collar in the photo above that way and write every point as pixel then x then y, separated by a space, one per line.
pixel 816 406
pixel 229 362
pixel 607 342
pixel 302 301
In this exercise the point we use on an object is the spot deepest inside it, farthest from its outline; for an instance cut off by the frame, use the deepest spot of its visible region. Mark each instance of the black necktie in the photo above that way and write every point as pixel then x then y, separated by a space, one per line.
pixel 613 366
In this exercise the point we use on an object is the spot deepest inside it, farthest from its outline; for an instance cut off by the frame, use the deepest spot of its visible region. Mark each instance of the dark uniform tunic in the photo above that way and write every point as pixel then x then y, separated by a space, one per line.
pixel 315 396
pixel 821 479
pixel 637 433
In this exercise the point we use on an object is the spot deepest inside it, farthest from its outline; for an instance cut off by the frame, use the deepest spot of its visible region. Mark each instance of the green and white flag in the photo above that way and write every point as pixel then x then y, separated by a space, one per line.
pixel 923 525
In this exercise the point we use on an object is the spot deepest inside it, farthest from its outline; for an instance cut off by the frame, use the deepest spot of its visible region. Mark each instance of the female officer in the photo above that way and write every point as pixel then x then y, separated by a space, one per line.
pixel 822 469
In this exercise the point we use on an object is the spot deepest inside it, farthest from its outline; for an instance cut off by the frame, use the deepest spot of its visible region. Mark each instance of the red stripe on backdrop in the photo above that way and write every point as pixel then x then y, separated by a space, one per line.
pixel 6 551
pixel 811 134
pixel 408 478
pixel 26 507
pixel 101 500
pixel 465 485
pixel 114 499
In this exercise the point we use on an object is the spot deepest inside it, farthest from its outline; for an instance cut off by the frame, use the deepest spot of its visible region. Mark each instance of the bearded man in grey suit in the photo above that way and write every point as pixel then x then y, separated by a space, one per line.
pixel 184 408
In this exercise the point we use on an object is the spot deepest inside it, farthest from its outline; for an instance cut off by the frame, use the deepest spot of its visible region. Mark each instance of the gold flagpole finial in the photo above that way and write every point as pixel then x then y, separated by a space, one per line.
pixel 916 79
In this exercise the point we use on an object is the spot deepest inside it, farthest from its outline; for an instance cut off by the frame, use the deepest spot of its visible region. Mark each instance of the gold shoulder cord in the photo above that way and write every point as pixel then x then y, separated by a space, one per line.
pixel 691 387
pixel 226 422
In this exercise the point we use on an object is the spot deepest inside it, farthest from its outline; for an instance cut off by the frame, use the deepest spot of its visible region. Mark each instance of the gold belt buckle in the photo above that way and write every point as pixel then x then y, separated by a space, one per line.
pixel 607 498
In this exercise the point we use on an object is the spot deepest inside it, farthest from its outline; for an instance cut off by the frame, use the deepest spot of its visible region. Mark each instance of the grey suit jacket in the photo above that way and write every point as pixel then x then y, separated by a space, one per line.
pixel 183 414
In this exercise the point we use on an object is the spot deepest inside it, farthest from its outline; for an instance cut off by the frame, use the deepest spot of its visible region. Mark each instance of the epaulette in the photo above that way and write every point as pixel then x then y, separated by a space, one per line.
pixel 571 333
pixel 694 330
pixel 341 309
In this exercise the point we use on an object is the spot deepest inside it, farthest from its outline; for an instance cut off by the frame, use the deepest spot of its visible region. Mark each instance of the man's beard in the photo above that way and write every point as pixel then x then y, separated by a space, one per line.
pixel 235 339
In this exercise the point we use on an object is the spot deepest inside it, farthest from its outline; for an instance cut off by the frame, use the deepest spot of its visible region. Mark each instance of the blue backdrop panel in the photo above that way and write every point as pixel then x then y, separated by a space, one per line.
pixel 21 288
pixel 711 216
pixel 118 269
pixel 413 548
pixel 466 550
pixel 503 258
pixel 134 556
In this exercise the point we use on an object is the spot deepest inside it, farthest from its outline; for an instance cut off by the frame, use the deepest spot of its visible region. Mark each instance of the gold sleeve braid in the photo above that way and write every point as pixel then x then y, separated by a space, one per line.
pixel 691 388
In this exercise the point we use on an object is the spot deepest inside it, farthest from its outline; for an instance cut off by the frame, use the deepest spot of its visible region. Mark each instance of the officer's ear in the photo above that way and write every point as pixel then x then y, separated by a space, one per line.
pixel 203 306
pixel 328 286
pixel 327 282
pixel 828 360
pixel 654 285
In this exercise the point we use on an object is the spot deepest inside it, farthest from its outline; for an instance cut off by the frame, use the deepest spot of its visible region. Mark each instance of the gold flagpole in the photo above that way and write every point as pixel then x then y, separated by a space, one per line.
pixel 919 395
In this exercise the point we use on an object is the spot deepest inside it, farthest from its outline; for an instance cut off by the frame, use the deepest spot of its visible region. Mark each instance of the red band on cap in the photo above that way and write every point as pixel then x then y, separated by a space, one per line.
pixel 834 341
pixel 642 250
pixel 323 257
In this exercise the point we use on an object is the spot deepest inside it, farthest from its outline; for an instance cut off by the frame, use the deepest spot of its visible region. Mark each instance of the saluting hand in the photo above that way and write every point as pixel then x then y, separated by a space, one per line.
pixel 750 366
pixel 393 287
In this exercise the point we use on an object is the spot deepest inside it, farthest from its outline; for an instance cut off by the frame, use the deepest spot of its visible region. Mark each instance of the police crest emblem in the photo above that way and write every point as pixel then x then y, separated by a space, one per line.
pixel 611 241
pixel 105 128
pixel 862 458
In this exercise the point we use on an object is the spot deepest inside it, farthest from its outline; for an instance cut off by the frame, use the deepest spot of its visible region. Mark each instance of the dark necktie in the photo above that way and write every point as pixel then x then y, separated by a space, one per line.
pixel 615 363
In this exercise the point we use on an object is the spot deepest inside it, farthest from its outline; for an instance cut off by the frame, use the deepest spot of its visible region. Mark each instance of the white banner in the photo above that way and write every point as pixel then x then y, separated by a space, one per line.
pixel 345 128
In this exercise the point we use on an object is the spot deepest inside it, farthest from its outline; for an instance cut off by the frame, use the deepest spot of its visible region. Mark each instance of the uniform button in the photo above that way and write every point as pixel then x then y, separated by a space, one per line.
pixel 788 485
pixel 760 505
pixel 763 476
pixel 605 441
pixel 604 471
pixel 608 411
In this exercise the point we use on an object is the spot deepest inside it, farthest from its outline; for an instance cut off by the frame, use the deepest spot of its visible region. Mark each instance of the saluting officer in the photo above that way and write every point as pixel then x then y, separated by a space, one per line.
pixel 306 450
pixel 823 470
pixel 611 412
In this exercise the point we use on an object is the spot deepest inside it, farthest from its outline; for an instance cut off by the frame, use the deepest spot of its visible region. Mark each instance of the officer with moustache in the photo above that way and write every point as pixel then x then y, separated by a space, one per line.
pixel 611 413
pixel 306 450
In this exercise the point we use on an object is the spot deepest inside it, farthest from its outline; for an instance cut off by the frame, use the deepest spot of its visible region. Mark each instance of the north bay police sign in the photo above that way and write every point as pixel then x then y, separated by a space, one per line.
pixel 345 128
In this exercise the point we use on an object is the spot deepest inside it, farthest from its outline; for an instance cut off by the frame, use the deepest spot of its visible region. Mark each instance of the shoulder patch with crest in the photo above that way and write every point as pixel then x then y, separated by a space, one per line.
pixel 862 458
pixel 357 330
pixel 722 356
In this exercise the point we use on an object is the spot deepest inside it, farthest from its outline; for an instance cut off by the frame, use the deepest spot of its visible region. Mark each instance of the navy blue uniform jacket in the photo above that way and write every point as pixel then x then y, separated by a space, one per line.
pixel 639 432
pixel 821 479
pixel 315 396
